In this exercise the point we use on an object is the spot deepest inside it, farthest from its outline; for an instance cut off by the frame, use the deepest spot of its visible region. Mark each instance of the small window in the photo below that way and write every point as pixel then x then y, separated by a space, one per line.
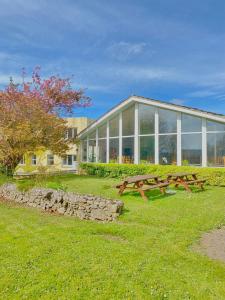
pixel 50 159
pixel 68 160
pixel 34 159
pixel 22 161
pixel 71 133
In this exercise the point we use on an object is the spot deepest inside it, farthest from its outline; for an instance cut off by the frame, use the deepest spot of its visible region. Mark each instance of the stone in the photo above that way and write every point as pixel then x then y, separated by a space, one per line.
pixel 86 207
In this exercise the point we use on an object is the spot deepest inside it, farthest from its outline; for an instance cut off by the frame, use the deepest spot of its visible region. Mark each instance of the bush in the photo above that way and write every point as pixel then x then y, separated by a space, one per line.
pixel 214 176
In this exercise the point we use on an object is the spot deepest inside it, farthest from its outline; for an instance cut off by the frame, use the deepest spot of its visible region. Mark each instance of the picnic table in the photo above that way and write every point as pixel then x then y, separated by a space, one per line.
pixel 186 179
pixel 142 183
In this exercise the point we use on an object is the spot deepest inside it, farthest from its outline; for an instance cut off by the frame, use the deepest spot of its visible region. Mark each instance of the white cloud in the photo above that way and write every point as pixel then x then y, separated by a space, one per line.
pixel 178 101
pixel 125 50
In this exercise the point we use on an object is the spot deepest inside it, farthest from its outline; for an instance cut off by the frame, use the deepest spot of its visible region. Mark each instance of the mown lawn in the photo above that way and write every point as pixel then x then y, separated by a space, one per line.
pixel 146 254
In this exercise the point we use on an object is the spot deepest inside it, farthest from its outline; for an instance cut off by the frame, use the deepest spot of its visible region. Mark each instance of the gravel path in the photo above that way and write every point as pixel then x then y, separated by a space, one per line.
pixel 212 244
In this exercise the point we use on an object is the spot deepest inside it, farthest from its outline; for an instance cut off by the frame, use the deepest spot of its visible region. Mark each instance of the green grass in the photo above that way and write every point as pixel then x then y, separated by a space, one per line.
pixel 144 255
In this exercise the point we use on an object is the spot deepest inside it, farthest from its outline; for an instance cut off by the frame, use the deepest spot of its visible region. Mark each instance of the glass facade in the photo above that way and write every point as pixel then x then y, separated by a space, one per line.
pixel 128 150
pixel 102 151
pixel 114 150
pixel 168 149
pixel 191 145
pixel 147 134
pixel 147 149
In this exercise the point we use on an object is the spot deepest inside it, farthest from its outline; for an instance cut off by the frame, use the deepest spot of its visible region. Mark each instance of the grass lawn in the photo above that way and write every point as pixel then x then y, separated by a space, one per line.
pixel 144 255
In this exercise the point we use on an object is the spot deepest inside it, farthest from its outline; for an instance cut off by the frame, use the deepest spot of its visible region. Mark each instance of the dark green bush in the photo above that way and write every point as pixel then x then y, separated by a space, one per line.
pixel 214 176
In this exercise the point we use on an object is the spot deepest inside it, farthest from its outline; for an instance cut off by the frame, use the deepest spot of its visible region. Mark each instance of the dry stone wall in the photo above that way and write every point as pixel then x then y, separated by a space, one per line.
pixel 87 207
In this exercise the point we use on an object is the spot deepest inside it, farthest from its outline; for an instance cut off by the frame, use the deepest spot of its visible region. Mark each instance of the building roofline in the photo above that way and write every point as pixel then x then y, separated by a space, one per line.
pixel 158 103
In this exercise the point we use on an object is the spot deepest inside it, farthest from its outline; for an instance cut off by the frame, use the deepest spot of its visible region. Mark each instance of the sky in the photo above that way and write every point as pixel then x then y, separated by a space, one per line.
pixel 171 50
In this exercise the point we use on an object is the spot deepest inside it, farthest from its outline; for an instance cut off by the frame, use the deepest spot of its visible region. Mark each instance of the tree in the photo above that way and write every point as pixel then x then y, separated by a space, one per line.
pixel 30 116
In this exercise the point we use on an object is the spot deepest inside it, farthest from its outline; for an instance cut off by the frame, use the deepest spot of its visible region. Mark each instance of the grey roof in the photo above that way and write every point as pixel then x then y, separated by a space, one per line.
pixel 159 101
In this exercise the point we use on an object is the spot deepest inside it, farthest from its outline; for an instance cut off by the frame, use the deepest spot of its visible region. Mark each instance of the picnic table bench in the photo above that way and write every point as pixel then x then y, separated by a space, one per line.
pixel 186 179
pixel 142 183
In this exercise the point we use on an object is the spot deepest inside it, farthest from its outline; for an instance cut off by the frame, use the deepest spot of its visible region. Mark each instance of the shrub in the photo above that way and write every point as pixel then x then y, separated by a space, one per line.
pixel 214 176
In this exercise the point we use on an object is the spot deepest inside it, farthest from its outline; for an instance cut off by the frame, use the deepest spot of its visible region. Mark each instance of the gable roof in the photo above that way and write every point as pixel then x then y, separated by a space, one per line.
pixel 157 103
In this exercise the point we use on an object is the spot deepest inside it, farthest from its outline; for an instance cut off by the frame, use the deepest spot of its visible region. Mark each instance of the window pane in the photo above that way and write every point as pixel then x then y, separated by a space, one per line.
pixel 92 135
pixel 84 150
pixel 191 145
pixel 102 151
pixel 216 149
pixel 215 126
pixel 102 131
pixel 146 119
pixel 69 160
pixel 50 159
pixel 114 150
pixel 190 123
pixel 167 121
pixel 147 149
pixel 128 121
pixel 92 151
pixel 168 149
pixel 114 127
pixel 128 150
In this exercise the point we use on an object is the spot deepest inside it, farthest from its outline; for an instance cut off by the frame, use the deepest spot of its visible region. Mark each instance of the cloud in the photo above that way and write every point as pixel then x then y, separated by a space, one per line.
pixel 178 101
pixel 126 50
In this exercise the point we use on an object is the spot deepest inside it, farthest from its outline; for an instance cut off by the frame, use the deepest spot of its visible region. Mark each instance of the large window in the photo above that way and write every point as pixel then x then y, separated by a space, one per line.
pixel 114 127
pixel 92 135
pixel 92 151
pixel 147 149
pixel 102 131
pixel 190 123
pixel 128 150
pixel 216 149
pixel 128 121
pixel 191 145
pixel 102 150
pixel 84 150
pixel 168 149
pixel 114 150
pixel 146 119
pixel 167 121
pixel 215 126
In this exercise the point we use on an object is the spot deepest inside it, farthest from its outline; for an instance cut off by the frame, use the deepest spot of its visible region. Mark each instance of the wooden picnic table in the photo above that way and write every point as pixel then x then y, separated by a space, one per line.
pixel 142 183
pixel 186 179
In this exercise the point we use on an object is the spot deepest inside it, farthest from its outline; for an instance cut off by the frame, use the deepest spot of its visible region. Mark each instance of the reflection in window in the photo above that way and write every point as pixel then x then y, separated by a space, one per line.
pixel 191 145
pixel 128 150
pixel 84 150
pixel 102 151
pixel 102 131
pixel 92 135
pixel 167 121
pixel 216 149
pixel 114 150
pixel 190 123
pixel 114 127
pixel 50 159
pixel 128 121
pixel 146 119
pixel 147 149
pixel 92 151
pixel 215 126
pixel 168 149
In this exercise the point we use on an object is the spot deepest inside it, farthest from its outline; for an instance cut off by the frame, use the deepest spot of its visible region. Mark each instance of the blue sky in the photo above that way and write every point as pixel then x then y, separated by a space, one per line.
pixel 170 50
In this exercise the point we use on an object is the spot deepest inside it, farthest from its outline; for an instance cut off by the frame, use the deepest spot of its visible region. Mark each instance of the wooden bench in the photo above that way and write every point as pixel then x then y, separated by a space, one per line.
pixel 186 179
pixel 142 183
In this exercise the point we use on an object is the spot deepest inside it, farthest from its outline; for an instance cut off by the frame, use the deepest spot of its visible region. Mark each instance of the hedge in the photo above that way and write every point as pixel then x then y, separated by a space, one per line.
pixel 214 176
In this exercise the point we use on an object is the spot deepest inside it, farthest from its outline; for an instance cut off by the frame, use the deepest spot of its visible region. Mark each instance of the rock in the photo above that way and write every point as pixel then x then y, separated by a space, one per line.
pixel 86 207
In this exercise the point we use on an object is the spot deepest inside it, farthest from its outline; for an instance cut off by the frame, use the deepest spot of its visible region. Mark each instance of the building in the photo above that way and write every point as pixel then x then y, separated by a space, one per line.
pixel 44 160
pixel 142 130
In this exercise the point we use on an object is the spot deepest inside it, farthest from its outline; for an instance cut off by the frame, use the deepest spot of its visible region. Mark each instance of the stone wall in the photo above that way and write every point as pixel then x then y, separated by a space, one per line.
pixel 87 207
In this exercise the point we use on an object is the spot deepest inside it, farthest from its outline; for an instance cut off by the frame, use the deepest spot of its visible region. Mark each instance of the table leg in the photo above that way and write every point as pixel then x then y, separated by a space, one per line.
pixel 139 186
pixel 122 188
